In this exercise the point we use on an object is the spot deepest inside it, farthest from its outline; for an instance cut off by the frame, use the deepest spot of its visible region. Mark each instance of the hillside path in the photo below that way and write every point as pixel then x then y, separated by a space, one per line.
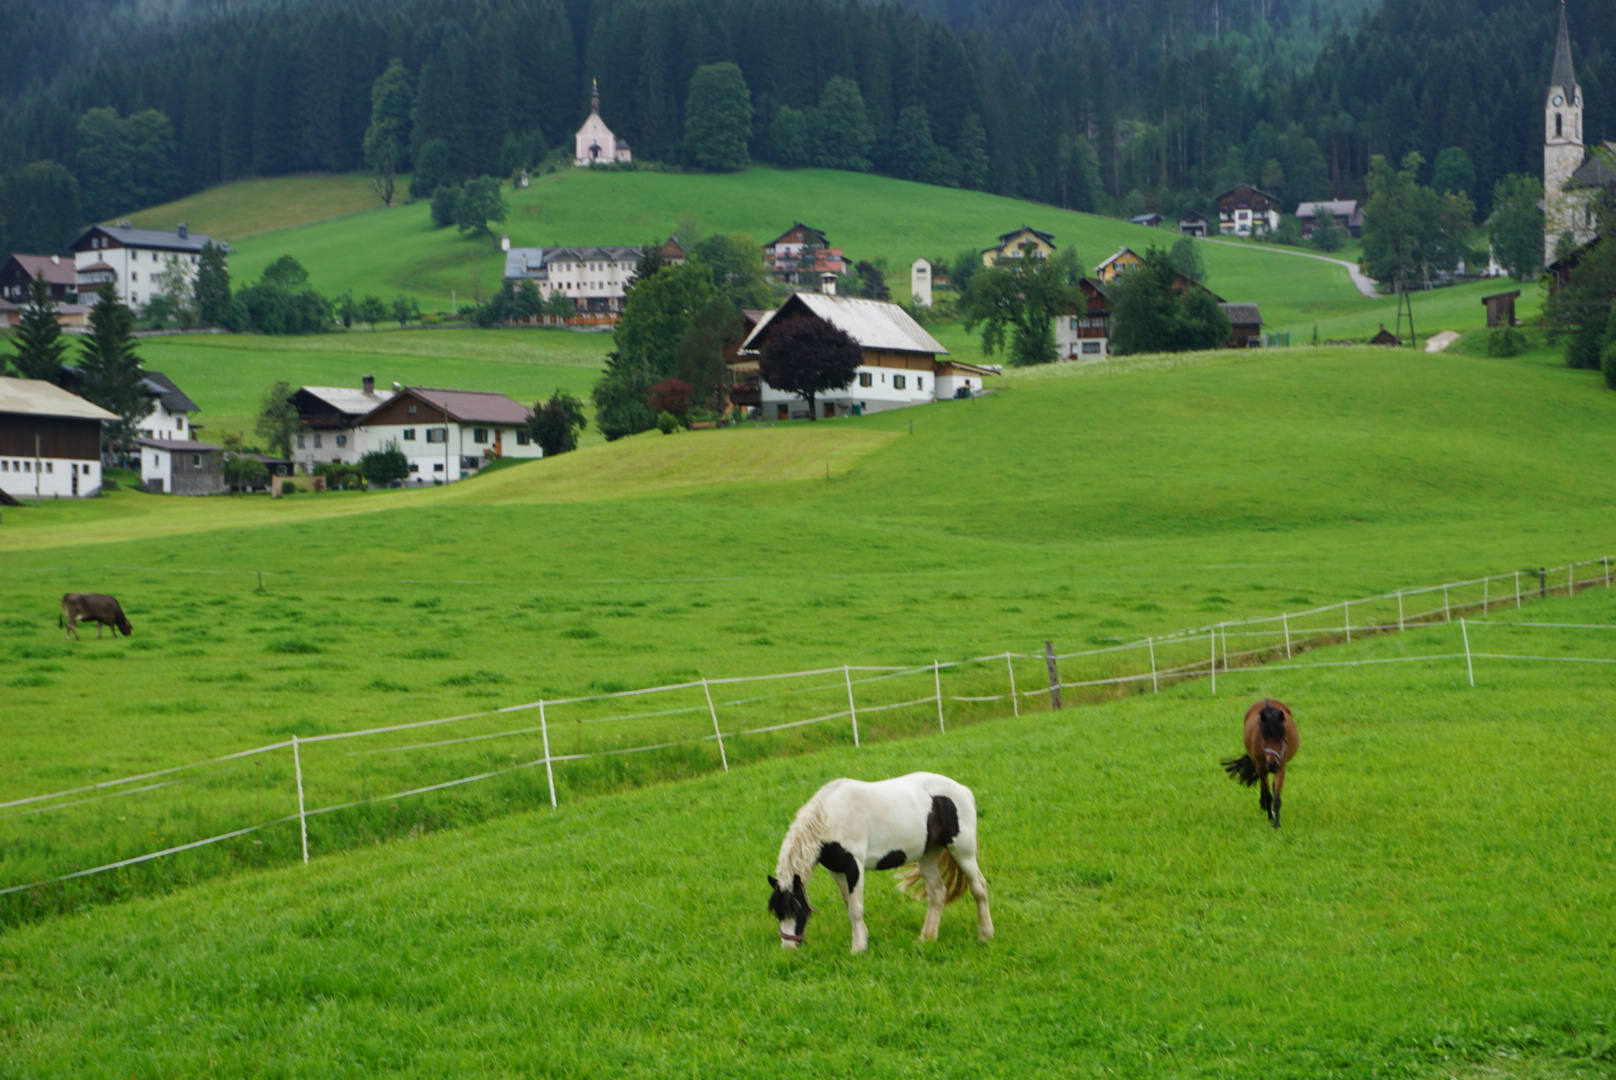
pixel 1365 284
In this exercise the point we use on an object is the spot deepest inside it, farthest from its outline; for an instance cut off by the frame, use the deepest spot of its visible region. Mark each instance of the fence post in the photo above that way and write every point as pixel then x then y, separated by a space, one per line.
pixel 1542 583
pixel 852 710
pixel 549 769
pixel 1346 614
pixel 1486 591
pixel 937 679
pixel 1286 619
pixel 1054 675
pixel 1571 579
pixel 1606 560
pixel 1214 643
pixel 1469 667
pixel 1517 590
pixel 1155 688
pixel 1225 634
pixel 302 819
pixel 1447 609
pixel 1399 610
pixel 1010 667
pixel 719 735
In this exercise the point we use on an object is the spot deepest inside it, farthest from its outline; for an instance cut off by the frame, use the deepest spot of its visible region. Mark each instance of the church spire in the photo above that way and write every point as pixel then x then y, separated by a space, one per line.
pixel 594 84
pixel 1565 76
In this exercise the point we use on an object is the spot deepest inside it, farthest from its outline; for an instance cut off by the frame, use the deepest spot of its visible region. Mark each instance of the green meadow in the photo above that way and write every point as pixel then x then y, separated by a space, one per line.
pixel 1438 904
pixel 388 251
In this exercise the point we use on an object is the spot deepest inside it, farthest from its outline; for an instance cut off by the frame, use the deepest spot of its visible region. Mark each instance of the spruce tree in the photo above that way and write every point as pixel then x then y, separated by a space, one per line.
pixel 718 118
pixel 109 370
pixel 973 153
pixel 40 347
pixel 212 286
pixel 842 133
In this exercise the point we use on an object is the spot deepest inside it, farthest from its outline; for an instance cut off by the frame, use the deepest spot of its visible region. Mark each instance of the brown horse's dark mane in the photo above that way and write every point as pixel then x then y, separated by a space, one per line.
pixel 1272 721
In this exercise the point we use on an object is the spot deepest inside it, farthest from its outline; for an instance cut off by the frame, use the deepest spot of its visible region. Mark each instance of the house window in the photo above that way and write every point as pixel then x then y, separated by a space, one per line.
pixel 415 468
pixel 412 410
pixel 196 461
pixel 179 423
pixel 865 378
pixel 156 462
pixel 1091 348
pixel 479 435
pixel 438 467
pixel 317 440
pixel 437 434
pixel 134 276
pixel 50 466
pixel 523 438
pixel 300 442
pixel 1074 323
pixel 920 383
pixel 899 382
pixel 409 434
pixel 342 440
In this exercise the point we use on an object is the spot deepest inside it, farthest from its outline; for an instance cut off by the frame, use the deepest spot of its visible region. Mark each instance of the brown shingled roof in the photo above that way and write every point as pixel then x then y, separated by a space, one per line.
pixel 473 406
pixel 57 272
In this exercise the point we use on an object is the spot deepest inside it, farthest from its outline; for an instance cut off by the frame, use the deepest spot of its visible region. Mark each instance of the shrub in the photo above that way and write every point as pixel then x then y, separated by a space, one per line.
pixel 385 467
pixel 1607 363
pixel 667 423
pixel 288 488
pixel 443 206
pixel 1505 341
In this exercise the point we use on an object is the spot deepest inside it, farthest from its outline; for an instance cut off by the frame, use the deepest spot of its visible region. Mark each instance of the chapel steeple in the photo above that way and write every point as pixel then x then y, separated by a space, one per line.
pixel 594 84
pixel 1562 147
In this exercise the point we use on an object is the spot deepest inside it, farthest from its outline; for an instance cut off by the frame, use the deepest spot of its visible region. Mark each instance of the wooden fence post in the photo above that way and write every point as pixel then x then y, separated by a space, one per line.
pixel 937 679
pixel 1054 675
pixel 1542 583
pixel 1155 688
pixel 1015 699
pixel 302 818
pixel 549 770
pixel 723 755
pixel 852 710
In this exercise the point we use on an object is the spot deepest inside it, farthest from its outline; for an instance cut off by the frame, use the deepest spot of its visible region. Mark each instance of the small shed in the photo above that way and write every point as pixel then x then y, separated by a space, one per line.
pixel 1245 325
pixel 1501 309
pixel 1150 221
pixel 1385 337
pixel 181 467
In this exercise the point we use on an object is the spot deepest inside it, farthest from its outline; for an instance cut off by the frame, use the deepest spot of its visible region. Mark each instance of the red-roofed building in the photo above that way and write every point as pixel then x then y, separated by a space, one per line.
pixel 19 271
pixel 448 435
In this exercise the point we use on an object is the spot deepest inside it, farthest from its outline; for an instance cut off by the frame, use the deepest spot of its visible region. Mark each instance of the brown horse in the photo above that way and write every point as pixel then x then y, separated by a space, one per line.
pixel 1271 742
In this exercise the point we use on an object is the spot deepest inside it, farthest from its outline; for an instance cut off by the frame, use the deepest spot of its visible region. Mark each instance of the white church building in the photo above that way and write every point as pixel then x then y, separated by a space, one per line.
pixel 595 144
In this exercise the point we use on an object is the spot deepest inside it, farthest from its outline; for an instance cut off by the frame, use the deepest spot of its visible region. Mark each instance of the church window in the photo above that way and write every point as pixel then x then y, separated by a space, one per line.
pixel 1557 125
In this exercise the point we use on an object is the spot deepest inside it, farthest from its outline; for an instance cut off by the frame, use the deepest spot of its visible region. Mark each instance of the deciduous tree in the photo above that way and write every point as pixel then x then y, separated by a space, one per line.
pixel 1517 225
pixel 556 423
pixel 212 287
pixel 718 118
pixel 808 357
pixel 387 140
pixel 1016 301
pixel 277 419
pixel 1152 310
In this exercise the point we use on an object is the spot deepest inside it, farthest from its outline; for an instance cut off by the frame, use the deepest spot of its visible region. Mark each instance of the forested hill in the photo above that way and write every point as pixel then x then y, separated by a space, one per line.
pixel 1099 105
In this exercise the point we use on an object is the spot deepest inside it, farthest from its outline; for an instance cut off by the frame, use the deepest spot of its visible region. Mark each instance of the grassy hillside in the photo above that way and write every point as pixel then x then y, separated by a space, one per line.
pixel 1080 505
pixel 237 211
pixel 397 250
pixel 1426 912
pixel 228 374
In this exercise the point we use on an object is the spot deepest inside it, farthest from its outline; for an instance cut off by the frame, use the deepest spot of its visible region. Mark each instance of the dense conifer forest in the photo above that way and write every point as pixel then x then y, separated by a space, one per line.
pixel 1096 105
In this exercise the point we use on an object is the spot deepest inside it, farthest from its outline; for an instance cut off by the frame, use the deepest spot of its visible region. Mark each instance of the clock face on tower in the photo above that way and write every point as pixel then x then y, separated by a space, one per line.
pixel 1558 100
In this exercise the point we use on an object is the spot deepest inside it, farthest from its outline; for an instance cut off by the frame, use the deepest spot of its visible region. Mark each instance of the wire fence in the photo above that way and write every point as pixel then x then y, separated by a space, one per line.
pixel 532 751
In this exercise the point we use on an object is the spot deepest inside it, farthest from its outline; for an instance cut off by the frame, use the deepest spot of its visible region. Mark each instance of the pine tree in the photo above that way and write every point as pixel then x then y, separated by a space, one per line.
pixel 212 286
pixel 109 370
pixel 39 342
pixel 973 153
pixel 718 118
pixel 842 133
pixel 392 97
pixel 788 138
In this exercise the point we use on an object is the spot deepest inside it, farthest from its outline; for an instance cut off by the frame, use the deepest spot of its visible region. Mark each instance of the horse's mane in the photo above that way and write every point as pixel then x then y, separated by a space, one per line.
pixel 800 849
pixel 1272 721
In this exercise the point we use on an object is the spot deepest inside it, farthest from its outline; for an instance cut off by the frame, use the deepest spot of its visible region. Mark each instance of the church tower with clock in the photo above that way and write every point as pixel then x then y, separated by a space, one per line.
pixel 1564 212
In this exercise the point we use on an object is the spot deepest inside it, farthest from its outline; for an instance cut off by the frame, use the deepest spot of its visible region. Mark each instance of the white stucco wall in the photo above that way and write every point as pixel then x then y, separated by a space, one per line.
pixel 54 478
pixel 138 269
pixel 430 462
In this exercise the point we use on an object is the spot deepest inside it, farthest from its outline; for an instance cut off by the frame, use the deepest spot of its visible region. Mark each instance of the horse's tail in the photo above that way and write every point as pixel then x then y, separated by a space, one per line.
pixel 1242 769
pixel 911 881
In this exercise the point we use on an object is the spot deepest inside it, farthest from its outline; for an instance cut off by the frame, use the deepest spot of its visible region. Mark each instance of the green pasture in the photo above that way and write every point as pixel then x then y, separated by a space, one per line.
pixel 1437 905
pixel 227 374
pixel 1084 505
pixel 242 209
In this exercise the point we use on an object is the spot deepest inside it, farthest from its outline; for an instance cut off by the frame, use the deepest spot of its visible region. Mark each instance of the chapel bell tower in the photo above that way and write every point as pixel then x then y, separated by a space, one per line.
pixel 1562 146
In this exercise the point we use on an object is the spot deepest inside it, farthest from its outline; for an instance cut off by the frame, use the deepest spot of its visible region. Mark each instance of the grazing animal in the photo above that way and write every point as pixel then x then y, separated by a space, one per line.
pixel 922 822
pixel 1271 742
pixel 95 607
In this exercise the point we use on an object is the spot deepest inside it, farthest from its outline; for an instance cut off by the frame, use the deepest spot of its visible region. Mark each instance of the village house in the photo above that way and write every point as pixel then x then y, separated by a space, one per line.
pixel 1245 325
pixel 1149 221
pixel 1192 224
pixel 1116 265
pixel 50 441
pixel 595 279
pixel 1023 242
pixel 595 144
pixel 1348 214
pixel 447 435
pixel 903 365
pixel 1086 336
pixel 329 422
pixel 18 273
pixel 133 259
pixel 180 467
pixel 802 256
pixel 1245 211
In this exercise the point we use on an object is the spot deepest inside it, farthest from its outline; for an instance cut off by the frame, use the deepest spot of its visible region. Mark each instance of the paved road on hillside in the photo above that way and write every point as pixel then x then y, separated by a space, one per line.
pixel 1365 284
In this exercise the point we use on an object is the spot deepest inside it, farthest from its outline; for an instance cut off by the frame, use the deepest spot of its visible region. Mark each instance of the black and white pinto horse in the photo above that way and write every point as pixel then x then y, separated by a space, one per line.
pixel 922 822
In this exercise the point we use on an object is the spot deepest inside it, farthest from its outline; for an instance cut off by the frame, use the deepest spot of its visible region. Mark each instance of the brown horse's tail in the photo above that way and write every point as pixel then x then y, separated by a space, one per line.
pixel 912 882
pixel 1242 769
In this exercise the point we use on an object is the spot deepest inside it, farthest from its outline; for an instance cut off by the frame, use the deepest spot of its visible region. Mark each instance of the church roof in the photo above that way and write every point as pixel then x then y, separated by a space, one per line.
pixel 1565 76
pixel 1598 169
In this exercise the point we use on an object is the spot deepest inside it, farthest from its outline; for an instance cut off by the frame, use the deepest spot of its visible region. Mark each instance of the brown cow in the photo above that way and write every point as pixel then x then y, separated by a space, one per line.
pixel 98 608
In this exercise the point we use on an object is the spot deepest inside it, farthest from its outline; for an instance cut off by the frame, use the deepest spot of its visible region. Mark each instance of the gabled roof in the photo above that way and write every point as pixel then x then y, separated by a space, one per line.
pixel 1048 238
pixel 1242 314
pixel 180 445
pixel 161 239
pixel 534 262
pixel 57 271
pixel 1144 219
pixel 1339 207
pixel 873 324
pixel 1193 215
pixel 173 398
pixel 1121 251
pixel 813 233
pixel 1253 188
pixel 1564 76
pixel 349 400
pixel 471 406
pixel 1598 169
pixel 35 397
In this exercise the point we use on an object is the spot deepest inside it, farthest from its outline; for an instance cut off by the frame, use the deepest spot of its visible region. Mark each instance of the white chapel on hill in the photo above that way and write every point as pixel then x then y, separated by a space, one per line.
pixel 596 145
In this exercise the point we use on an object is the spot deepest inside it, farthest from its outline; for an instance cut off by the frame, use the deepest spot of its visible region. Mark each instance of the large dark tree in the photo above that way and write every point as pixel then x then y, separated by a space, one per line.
pixel 808 356
pixel 556 423
pixel 109 372
pixel 718 118
pixel 1018 300
pixel 39 205
pixel 39 343
pixel 213 286
pixel 1154 309
pixel 387 140
pixel 657 316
